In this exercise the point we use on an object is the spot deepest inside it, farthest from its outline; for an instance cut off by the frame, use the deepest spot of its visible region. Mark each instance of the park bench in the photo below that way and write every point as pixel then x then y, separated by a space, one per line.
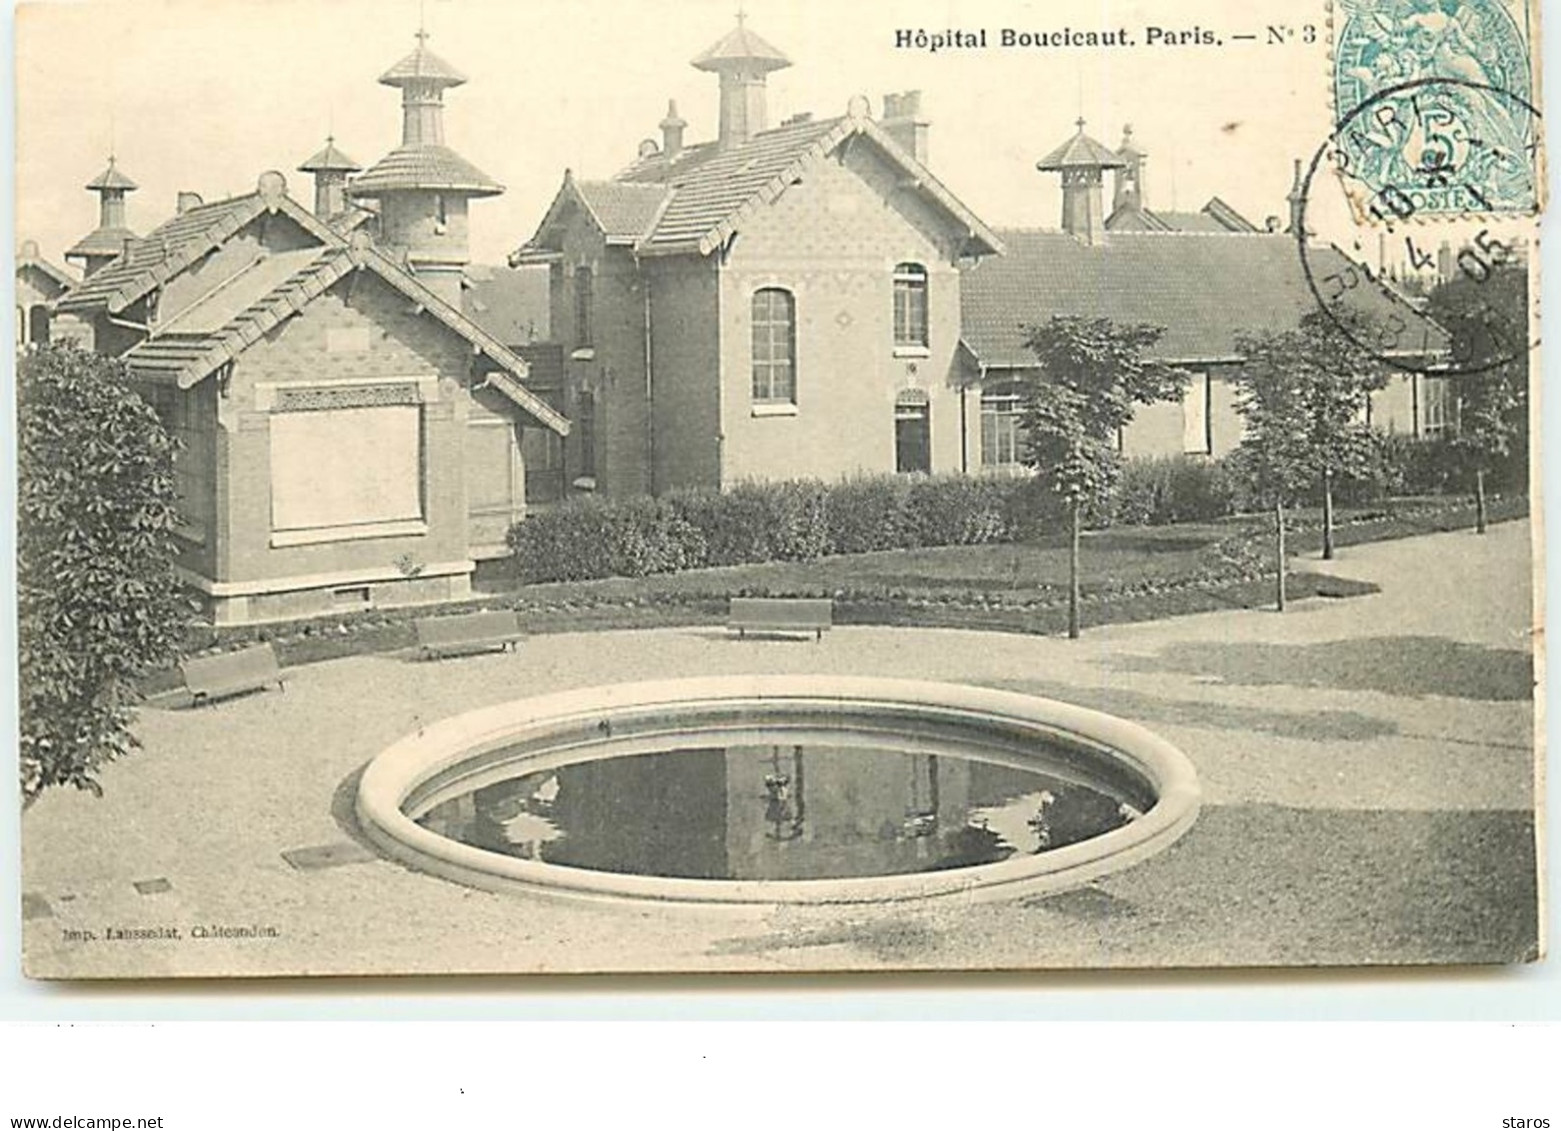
pixel 781 614
pixel 468 633
pixel 210 678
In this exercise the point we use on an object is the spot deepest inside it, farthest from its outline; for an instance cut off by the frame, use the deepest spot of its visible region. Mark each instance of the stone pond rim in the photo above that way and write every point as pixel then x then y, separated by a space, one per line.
pixel 463 752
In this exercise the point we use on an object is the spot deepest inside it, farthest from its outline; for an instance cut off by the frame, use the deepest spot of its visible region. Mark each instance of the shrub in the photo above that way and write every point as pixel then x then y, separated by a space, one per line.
pixel 98 601
pixel 869 513
pixel 959 510
pixel 1157 490
pixel 588 537
pixel 1414 466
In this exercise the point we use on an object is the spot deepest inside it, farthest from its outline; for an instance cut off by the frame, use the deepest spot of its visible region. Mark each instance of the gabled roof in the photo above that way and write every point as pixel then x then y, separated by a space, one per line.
pixel 423 166
pixel 190 349
pixel 174 245
pixel 713 189
pixel 1202 289
pixel 1080 152
pixel 741 48
pixel 1215 216
pixel 624 213
pixel 30 258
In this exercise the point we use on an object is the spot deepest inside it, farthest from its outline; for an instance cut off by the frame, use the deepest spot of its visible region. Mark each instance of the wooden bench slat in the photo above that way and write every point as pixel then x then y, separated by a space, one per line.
pixel 467 633
pixel 781 614
pixel 210 678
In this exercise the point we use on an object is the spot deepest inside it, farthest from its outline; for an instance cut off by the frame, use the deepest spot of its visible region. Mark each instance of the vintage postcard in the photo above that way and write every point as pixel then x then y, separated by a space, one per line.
pixel 585 487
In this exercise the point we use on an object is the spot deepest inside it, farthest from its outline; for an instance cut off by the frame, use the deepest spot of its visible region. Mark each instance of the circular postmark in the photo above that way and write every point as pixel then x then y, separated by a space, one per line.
pixel 1417 149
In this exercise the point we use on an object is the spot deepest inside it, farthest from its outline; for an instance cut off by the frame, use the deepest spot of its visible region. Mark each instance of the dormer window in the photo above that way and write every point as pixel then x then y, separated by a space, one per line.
pixel 910 306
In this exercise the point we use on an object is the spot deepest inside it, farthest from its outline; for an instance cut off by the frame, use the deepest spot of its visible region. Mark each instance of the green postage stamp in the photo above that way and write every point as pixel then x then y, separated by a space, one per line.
pixel 1436 108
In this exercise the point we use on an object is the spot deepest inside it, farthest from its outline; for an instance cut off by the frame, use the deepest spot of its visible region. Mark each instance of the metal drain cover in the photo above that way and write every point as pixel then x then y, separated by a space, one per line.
pixel 320 856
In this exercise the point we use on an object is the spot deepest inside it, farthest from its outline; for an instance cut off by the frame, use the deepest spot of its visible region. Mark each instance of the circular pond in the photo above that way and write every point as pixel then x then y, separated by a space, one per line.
pixel 778 789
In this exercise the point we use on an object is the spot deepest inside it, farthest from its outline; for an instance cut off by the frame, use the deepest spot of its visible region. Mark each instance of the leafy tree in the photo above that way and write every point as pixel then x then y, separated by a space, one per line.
pixel 1303 394
pixel 1093 373
pixel 98 602
pixel 1485 313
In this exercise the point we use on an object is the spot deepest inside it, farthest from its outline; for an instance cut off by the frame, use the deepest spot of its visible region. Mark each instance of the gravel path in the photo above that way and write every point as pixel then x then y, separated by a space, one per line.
pixel 1367 769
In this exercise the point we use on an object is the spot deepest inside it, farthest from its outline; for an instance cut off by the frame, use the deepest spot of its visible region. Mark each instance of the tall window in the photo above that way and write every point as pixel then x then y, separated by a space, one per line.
pixel 585 430
pixel 38 326
pixel 912 432
pixel 774 347
pixel 910 305
pixel 583 308
pixel 1197 417
pixel 1440 414
pixel 1000 417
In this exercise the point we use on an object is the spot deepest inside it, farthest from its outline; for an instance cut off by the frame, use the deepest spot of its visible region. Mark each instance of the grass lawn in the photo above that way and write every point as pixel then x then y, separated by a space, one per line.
pixel 1129 574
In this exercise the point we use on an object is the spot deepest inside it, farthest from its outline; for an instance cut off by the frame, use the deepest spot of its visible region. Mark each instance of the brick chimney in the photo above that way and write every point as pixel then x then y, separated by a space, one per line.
pixel 672 127
pixel 902 120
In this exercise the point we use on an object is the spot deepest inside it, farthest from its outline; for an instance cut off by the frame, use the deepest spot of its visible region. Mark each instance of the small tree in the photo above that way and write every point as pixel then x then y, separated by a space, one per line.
pixel 1303 394
pixel 1486 317
pixel 1093 373
pixel 98 602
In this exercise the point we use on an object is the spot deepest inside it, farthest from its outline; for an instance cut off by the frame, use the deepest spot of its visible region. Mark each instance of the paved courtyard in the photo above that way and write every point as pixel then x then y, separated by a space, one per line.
pixel 1367 767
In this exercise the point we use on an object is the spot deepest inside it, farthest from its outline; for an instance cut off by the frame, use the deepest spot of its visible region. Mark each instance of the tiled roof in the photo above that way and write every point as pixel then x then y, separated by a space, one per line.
pixel 30 258
pixel 424 166
pixel 741 45
pixel 511 305
pixel 422 65
pixel 112 178
pixel 222 303
pixel 624 212
pixel 713 188
pixel 1202 289
pixel 189 352
pixel 1080 152
pixel 174 245
pixel 1215 216
pixel 101 241
pixel 330 159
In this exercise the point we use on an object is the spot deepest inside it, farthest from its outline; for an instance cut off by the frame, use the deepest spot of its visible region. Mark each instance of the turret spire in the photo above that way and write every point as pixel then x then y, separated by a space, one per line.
pixel 108 240
pixel 742 59
pixel 1082 161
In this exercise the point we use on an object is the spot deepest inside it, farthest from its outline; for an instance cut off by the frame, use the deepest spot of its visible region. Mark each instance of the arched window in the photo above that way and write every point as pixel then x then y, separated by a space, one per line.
pixel 38 325
pixel 910 306
pixel 774 347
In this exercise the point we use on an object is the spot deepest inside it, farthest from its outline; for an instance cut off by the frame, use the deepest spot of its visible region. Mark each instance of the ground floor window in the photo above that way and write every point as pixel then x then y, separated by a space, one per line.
pixel 912 433
pixel 346 467
pixel 1001 413
pixel 585 435
pixel 1197 416
pixel 1439 413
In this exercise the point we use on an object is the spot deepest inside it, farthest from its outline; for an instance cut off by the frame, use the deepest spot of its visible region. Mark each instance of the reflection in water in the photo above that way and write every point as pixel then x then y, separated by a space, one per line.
pixel 773 811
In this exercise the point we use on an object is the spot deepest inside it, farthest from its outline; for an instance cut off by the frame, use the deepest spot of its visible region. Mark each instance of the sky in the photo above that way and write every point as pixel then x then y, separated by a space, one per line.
pixel 203 96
